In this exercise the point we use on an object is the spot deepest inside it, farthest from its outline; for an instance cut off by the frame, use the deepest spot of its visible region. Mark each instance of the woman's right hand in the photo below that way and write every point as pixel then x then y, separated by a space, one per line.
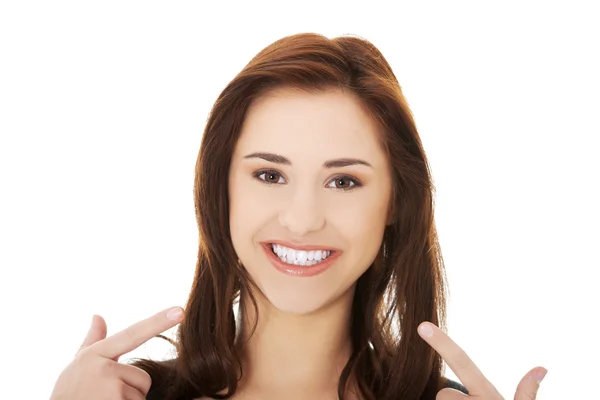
pixel 96 374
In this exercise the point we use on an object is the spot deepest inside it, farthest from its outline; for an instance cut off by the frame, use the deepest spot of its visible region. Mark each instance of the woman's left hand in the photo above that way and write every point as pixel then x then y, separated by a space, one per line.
pixel 468 373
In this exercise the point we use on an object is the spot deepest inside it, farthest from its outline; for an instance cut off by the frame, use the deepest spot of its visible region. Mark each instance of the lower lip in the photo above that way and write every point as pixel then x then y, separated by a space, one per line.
pixel 299 270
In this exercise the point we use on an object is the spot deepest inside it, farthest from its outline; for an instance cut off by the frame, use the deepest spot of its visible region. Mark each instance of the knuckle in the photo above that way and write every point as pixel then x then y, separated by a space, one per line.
pixel 461 361
pixel 147 381
pixel 107 367
pixel 121 388
pixel 82 354
pixel 82 358
pixel 131 334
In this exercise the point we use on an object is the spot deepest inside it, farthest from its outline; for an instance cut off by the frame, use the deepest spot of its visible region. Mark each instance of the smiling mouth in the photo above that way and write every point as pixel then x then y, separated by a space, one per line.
pixel 300 257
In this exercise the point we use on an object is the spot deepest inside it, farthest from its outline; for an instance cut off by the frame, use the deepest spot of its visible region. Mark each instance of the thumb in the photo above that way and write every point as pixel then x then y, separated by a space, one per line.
pixel 529 385
pixel 97 332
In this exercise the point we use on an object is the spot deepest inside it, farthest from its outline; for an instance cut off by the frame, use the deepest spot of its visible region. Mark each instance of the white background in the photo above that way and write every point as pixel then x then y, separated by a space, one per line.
pixel 102 106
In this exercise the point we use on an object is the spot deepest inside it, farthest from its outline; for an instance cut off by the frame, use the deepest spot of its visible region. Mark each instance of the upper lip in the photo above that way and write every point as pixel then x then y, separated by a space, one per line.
pixel 298 246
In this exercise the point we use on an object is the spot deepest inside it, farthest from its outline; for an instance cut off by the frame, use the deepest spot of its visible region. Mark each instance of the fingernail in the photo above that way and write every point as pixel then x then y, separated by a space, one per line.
pixel 426 330
pixel 175 313
pixel 539 375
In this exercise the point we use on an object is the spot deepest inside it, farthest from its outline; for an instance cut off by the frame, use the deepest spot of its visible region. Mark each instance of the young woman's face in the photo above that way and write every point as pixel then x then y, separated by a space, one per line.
pixel 309 175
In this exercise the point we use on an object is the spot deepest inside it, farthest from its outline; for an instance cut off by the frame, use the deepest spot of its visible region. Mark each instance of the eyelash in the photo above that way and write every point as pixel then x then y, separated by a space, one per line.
pixel 356 182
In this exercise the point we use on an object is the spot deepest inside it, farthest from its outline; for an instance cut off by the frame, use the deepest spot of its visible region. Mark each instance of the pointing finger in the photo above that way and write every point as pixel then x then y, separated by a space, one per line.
pixel 457 359
pixel 137 334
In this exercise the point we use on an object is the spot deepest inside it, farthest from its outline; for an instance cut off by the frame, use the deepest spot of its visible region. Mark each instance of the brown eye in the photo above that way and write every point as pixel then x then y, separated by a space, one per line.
pixel 272 177
pixel 269 177
pixel 344 183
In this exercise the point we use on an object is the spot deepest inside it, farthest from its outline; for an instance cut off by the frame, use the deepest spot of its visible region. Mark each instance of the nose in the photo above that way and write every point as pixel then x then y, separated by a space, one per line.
pixel 302 213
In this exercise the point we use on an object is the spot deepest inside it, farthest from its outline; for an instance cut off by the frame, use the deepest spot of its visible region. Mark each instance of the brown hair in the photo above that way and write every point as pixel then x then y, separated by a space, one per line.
pixel 405 286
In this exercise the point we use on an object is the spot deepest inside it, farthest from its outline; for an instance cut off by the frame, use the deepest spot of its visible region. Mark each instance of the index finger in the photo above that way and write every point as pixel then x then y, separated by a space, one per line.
pixel 137 334
pixel 457 359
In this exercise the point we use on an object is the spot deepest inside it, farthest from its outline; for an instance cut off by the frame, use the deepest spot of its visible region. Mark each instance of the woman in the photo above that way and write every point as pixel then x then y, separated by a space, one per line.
pixel 314 203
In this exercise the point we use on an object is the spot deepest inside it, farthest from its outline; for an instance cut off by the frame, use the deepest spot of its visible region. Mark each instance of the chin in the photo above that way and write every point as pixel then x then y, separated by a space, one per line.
pixel 300 295
pixel 291 299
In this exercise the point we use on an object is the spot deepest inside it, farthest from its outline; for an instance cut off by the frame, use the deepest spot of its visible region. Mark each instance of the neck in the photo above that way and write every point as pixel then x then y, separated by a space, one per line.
pixel 290 353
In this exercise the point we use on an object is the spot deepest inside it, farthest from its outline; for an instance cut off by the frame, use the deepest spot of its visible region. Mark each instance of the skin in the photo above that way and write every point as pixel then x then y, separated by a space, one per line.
pixel 96 374
pixel 302 339
pixel 468 373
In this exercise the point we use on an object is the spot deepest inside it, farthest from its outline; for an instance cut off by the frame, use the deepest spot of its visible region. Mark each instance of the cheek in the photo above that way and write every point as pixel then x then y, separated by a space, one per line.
pixel 361 225
pixel 363 218
pixel 364 233
pixel 248 209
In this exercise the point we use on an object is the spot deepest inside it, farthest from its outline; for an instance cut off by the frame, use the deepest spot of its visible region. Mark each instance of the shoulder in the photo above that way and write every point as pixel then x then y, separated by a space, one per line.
pixel 455 385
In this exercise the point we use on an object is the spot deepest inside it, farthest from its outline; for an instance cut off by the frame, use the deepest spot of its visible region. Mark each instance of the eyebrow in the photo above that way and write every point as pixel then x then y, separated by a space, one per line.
pixel 336 163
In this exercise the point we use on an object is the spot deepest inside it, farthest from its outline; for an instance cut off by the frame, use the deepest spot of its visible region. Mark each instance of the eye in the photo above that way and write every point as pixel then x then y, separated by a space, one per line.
pixel 269 176
pixel 344 182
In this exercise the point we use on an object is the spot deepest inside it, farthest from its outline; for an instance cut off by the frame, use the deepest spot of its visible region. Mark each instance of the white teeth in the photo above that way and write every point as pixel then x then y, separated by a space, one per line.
pixel 302 256
pixel 299 257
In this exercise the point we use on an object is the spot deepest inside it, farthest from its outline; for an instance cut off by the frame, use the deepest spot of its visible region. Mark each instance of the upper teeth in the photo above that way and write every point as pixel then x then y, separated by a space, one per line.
pixel 289 254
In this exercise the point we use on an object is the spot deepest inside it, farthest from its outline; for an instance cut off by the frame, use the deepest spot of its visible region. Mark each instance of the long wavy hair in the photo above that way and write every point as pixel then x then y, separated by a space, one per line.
pixel 404 286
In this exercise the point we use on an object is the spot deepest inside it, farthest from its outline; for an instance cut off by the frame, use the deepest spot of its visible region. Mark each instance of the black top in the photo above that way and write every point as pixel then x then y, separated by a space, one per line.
pixel 456 385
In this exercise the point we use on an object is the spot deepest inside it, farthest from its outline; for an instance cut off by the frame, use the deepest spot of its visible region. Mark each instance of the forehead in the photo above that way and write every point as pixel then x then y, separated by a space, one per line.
pixel 331 122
